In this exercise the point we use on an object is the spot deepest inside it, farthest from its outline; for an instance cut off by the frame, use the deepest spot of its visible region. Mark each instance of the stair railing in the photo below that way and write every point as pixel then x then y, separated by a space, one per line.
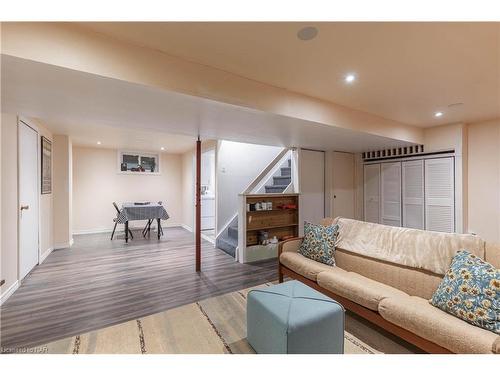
pixel 270 170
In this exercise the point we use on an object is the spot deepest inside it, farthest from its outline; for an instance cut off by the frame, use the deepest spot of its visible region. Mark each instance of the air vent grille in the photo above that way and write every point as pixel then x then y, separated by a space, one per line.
pixel 394 152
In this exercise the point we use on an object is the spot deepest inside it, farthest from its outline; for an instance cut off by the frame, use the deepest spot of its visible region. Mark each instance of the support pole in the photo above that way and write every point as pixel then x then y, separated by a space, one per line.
pixel 198 205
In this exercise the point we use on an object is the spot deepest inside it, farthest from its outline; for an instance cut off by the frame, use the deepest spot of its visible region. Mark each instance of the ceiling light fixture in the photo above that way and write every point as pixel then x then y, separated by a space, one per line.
pixel 98 142
pixel 162 148
pixel 438 114
pixel 350 78
pixel 307 33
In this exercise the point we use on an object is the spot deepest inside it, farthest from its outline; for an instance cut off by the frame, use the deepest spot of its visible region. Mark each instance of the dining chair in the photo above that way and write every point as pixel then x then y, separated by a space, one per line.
pixel 115 220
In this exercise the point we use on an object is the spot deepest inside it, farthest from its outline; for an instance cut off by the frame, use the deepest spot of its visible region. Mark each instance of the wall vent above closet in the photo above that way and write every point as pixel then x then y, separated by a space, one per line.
pixel 394 152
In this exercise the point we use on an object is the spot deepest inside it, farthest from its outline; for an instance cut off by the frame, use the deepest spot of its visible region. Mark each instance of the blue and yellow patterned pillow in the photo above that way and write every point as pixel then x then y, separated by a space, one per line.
pixel 319 242
pixel 470 290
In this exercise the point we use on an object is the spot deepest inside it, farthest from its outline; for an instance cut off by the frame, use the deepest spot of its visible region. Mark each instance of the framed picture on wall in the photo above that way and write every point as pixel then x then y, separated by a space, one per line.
pixel 46 175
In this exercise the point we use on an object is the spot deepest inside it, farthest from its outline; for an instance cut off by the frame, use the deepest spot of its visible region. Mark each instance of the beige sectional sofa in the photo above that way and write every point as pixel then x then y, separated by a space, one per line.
pixel 393 296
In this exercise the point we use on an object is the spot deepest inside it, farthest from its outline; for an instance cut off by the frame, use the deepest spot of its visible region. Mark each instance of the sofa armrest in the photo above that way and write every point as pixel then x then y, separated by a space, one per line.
pixel 291 245
pixel 496 346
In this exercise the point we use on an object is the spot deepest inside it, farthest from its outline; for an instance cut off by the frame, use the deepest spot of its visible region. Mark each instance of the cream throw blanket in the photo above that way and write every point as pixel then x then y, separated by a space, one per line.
pixel 431 251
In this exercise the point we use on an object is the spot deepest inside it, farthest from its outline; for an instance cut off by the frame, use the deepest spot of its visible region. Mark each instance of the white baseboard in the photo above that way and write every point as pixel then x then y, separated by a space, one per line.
pixel 187 227
pixel 63 245
pixel 44 255
pixel 121 230
pixel 9 292
pixel 209 239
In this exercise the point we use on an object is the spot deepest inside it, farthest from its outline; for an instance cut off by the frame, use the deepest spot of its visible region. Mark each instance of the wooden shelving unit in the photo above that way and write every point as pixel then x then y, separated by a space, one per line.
pixel 279 222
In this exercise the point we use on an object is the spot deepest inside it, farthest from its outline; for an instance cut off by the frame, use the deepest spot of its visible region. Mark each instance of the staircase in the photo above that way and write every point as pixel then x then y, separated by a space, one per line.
pixel 228 240
pixel 281 182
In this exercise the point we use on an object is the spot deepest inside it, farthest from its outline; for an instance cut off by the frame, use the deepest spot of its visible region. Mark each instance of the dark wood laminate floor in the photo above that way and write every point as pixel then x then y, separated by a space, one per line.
pixel 99 282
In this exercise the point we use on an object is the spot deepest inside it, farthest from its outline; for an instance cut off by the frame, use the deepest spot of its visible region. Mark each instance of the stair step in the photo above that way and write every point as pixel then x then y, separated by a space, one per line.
pixel 282 180
pixel 275 188
pixel 232 231
pixel 286 171
pixel 228 245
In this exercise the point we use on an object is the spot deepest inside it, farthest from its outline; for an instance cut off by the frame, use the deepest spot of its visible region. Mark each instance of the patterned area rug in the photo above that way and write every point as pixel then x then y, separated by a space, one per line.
pixel 213 326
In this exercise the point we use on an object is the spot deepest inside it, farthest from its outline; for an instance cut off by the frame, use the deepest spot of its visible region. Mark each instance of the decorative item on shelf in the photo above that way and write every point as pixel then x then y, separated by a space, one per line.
pixel 274 240
pixel 258 206
pixel 251 207
pixel 263 237
pixel 270 206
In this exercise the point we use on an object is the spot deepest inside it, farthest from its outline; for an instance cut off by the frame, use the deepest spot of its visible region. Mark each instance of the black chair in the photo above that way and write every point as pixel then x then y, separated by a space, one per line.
pixel 115 220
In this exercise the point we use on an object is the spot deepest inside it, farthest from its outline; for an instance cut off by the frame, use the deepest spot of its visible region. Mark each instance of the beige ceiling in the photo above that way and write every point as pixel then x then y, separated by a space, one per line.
pixel 120 114
pixel 121 137
pixel 406 71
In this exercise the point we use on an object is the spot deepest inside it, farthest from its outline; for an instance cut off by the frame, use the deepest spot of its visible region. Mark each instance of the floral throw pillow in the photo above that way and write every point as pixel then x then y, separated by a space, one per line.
pixel 319 242
pixel 470 290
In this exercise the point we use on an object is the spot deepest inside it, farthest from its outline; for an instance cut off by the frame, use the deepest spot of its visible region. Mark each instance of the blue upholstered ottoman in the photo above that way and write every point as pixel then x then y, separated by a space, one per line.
pixel 294 318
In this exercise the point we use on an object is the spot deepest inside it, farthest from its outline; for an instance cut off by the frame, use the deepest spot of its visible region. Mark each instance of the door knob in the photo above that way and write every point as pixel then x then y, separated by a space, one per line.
pixel 25 207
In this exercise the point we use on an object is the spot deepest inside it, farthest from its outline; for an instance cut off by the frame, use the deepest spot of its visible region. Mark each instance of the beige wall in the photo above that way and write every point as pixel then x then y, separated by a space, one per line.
pixel 9 198
pixel 62 188
pixel 9 264
pixel 97 183
pixel 188 175
pixel 484 179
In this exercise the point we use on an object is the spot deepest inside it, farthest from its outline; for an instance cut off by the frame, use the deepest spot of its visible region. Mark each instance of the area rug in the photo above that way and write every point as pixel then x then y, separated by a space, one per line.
pixel 216 325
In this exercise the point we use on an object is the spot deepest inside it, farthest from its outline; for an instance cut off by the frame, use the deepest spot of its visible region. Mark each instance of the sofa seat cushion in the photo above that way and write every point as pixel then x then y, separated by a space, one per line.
pixel 417 315
pixel 304 266
pixel 357 288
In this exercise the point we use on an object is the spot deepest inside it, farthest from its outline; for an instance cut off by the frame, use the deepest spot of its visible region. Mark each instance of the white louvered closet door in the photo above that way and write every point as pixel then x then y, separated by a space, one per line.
pixel 391 194
pixel 440 194
pixel 372 192
pixel 413 194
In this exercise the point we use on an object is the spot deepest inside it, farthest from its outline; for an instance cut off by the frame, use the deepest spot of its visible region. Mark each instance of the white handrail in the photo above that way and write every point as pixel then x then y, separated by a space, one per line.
pixel 228 223
pixel 266 171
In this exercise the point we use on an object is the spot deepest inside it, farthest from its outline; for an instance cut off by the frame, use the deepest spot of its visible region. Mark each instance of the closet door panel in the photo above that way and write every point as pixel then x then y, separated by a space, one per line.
pixel 372 192
pixel 440 194
pixel 413 194
pixel 391 193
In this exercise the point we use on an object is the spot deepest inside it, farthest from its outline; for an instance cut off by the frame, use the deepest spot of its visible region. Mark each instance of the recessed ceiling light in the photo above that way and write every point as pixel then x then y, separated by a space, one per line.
pixel 307 33
pixel 162 148
pixel 438 114
pixel 350 78
pixel 98 142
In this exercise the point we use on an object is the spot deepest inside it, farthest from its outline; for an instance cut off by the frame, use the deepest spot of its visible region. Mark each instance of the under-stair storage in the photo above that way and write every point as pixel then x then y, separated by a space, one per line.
pixel 269 219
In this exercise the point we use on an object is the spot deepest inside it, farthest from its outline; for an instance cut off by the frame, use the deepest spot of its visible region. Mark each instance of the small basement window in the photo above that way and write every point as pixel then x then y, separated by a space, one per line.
pixel 138 162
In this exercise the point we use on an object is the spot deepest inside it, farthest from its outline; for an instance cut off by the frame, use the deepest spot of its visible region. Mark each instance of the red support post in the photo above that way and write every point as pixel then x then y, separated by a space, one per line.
pixel 198 205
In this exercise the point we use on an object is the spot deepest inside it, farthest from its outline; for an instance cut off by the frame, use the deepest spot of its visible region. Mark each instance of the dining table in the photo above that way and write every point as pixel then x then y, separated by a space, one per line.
pixel 149 211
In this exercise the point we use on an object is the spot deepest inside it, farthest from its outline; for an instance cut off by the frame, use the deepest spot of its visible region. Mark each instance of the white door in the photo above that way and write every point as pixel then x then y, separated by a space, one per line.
pixel 343 184
pixel 391 193
pixel 413 194
pixel 372 193
pixel 28 199
pixel 440 194
pixel 312 186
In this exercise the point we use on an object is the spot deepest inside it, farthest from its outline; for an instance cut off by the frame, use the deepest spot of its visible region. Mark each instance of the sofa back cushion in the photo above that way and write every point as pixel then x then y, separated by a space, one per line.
pixel 431 251
pixel 413 281
pixel 493 254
